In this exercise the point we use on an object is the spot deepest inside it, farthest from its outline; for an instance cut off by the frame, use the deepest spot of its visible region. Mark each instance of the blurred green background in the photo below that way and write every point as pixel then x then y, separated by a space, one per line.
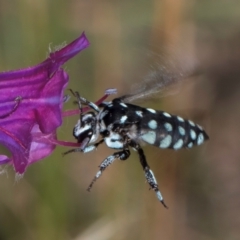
pixel 201 186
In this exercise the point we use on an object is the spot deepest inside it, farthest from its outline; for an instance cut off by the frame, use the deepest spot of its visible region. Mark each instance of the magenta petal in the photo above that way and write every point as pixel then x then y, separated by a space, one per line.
pixel 49 105
pixel 31 101
pixel 52 63
pixel 18 141
pixel 69 51
pixel 41 145
pixel 41 100
pixel 4 159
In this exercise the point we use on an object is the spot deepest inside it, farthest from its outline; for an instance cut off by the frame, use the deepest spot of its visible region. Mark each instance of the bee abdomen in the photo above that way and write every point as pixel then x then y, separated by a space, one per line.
pixel 180 133
pixel 168 131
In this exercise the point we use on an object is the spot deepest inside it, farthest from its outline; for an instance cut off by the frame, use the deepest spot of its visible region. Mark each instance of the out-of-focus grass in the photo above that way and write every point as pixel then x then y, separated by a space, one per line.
pixel 200 186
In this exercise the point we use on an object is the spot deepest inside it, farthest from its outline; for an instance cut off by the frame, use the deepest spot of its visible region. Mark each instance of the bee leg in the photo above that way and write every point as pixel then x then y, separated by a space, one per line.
pixel 122 155
pixel 149 175
pixel 86 149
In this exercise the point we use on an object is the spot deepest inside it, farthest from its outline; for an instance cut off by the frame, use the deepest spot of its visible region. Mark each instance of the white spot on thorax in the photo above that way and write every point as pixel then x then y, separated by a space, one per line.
pixel 139 113
pixel 114 140
pixel 123 105
pixel 123 119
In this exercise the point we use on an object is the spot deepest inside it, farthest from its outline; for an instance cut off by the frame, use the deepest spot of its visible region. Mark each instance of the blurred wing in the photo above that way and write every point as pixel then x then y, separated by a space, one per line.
pixel 165 76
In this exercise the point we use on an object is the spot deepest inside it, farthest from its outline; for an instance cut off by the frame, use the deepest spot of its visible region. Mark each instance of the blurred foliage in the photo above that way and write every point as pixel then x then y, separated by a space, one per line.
pixel 201 186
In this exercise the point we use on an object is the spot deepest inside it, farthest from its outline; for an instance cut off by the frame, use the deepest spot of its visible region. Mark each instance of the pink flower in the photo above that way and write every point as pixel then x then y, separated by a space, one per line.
pixel 31 102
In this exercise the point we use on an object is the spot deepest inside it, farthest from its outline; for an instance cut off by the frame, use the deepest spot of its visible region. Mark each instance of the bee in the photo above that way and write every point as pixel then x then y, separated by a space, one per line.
pixel 124 126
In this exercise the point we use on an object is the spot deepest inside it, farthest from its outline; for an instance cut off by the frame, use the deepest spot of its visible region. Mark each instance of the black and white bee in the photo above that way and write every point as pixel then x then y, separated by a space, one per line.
pixel 123 126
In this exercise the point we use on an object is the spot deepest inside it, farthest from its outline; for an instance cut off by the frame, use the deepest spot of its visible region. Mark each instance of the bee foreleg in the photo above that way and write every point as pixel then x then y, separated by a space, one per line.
pixel 86 149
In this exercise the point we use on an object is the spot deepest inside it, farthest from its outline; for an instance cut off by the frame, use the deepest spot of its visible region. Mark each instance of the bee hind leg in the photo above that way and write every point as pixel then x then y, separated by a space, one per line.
pixel 149 175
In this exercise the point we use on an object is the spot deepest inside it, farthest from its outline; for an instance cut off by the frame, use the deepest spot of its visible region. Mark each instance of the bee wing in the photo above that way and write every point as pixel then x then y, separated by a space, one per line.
pixel 150 87
pixel 165 75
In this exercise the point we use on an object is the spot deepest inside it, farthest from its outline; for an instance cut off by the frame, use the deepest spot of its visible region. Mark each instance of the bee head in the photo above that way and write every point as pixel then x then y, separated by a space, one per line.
pixel 86 130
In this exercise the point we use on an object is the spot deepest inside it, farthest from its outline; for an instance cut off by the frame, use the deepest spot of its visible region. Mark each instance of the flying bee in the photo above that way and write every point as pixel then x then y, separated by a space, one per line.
pixel 122 126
